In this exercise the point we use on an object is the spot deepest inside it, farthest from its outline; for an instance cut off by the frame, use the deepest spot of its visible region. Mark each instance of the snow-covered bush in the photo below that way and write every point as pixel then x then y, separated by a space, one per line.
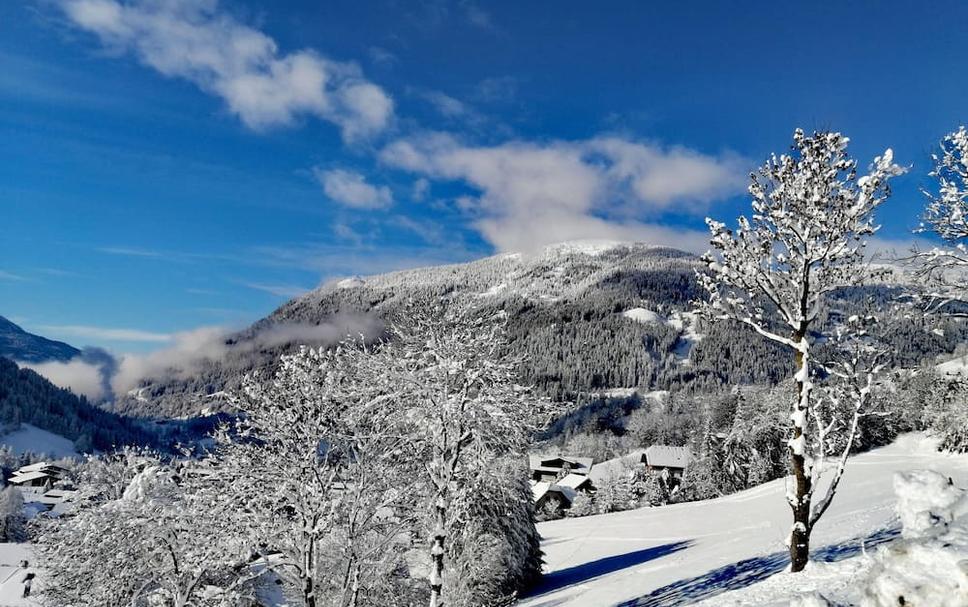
pixel 138 537
pixel 12 520
pixel 496 548
pixel 582 505
pixel 929 566
pixel 946 412
pixel 942 269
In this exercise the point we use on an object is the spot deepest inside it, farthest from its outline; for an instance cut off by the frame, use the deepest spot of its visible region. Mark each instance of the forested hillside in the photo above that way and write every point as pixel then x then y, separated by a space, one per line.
pixel 571 319
pixel 26 397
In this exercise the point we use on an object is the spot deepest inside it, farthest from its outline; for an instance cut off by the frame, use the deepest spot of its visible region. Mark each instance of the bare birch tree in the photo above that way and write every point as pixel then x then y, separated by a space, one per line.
pixel 805 239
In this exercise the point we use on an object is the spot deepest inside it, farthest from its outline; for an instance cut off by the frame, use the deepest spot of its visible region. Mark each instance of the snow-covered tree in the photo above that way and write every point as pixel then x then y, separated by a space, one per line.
pixel 811 213
pixel 944 269
pixel 845 398
pixel 463 407
pixel 317 471
pixel 153 544
pixel 12 520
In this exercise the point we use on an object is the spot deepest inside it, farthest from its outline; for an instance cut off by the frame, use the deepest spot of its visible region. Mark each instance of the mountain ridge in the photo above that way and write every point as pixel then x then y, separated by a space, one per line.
pixel 18 344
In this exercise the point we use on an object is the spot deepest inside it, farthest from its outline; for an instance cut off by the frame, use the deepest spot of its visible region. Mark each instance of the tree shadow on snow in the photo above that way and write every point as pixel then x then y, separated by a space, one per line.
pixel 742 574
pixel 586 571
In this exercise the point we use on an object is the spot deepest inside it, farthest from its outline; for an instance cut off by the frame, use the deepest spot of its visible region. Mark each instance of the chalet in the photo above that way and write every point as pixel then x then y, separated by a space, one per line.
pixel 563 491
pixel 658 458
pixel 550 468
pixel 39 475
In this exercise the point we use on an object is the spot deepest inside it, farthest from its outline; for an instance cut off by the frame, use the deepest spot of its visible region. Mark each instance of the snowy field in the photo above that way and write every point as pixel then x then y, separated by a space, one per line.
pixel 12 575
pixel 33 439
pixel 688 553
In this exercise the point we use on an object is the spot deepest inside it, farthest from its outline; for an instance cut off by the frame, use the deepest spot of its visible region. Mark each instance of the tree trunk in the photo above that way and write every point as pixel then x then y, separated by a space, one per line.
pixel 800 504
pixel 437 554
pixel 355 600
pixel 309 573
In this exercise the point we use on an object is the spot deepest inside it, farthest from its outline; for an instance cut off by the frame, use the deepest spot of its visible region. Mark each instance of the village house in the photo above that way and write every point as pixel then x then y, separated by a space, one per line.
pixel 41 475
pixel 36 484
pixel 663 459
pixel 561 492
pixel 550 468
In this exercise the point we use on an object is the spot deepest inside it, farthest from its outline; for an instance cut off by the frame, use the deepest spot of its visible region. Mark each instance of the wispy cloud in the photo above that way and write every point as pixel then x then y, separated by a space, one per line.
pixel 241 65
pixel 136 252
pixel 10 276
pixel 107 333
pixel 287 291
pixel 351 189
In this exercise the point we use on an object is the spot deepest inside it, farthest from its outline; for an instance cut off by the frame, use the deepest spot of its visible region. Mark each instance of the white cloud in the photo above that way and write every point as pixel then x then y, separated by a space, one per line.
pixel 194 41
pixel 536 194
pixel 448 106
pixel 192 349
pixel 287 291
pixel 351 189
pixel 79 376
pixel 10 276
pixel 107 333
pixel 188 349
pixel 420 189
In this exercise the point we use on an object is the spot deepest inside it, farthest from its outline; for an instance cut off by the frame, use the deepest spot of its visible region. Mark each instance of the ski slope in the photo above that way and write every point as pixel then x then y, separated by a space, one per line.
pixel 685 553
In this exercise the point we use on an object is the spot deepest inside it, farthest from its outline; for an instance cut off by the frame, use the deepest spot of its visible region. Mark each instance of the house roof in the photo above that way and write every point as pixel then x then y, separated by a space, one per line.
pixel 660 456
pixel 667 457
pixel 616 467
pixel 554 463
pixel 542 488
pixel 41 466
pixel 19 478
pixel 573 481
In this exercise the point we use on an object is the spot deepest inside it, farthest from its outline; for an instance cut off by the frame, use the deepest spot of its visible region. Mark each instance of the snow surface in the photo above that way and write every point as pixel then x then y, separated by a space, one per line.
pixel 590 247
pixel 684 553
pixel 33 439
pixel 685 322
pixel 12 575
pixel 957 366
pixel 643 315
pixel 350 283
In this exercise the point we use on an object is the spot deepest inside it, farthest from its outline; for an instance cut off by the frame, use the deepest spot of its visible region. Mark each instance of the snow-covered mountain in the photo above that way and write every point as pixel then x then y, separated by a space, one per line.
pixel 589 317
pixel 17 344
pixel 565 305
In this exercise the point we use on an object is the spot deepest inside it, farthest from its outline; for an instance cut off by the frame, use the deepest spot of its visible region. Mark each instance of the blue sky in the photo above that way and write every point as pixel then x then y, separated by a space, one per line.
pixel 167 165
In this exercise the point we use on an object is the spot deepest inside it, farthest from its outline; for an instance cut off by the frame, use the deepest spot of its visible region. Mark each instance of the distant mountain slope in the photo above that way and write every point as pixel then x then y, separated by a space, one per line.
pixel 564 306
pixel 586 317
pixel 17 344
pixel 28 398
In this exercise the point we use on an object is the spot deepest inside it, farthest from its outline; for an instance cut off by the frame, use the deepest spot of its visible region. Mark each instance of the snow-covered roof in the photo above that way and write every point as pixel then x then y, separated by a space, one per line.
pixel 661 456
pixel 40 466
pixel 573 481
pixel 538 490
pixel 616 467
pixel 665 456
pixel 19 478
pixel 552 463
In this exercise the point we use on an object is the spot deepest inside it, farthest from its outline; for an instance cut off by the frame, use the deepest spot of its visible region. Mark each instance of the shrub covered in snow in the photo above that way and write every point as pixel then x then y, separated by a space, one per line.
pixel 930 565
